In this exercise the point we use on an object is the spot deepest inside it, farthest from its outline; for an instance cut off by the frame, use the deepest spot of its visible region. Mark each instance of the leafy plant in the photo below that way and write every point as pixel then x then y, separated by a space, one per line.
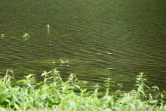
pixel 26 36
pixel 54 94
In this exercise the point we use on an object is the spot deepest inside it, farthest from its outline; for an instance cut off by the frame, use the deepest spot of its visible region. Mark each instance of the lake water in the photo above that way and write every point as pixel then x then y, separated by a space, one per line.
pixel 94 39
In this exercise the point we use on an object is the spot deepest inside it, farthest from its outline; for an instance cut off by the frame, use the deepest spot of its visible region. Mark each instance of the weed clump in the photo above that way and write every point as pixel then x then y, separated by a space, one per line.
pixel 54 94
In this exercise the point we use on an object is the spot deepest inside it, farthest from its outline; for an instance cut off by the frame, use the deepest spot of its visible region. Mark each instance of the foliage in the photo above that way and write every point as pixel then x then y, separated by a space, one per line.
pixel 2 36
pixel 26 36
pixel 54 94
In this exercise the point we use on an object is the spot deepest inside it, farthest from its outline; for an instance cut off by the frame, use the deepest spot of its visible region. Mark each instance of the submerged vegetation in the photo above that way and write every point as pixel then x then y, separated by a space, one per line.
pixel 54 94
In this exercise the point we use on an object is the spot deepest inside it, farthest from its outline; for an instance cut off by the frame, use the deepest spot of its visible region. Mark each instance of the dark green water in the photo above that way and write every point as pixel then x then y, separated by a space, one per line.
pixel 98 38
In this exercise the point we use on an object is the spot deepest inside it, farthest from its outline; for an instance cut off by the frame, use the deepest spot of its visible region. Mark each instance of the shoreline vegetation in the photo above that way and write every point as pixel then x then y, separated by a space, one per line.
pixel 54 94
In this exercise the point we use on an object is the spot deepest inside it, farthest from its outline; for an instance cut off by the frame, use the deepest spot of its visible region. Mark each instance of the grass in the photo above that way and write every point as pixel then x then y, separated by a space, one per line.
pixel 54 94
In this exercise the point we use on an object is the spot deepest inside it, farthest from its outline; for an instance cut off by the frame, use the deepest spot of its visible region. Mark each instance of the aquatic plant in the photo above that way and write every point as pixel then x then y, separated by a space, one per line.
pixel 26 36
pixel 54 94
pixel 48 26
pixel 2 36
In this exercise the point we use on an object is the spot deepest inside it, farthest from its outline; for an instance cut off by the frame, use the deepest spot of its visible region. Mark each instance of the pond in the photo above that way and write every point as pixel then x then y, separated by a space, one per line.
pixel 94 39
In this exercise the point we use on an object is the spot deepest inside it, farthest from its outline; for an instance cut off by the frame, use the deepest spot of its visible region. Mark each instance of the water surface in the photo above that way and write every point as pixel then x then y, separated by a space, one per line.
pixel 97 39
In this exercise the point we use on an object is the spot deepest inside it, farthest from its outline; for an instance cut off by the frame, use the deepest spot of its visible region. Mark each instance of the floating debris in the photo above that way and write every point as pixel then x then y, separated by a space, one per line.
pixel 109 53
pixel 54 62
pixel 26 36
pixel 110 68
pixel 2 36
pixel 64 62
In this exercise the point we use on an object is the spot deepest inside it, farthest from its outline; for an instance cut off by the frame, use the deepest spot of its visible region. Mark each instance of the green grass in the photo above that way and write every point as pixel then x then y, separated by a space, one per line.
pixel 54 94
